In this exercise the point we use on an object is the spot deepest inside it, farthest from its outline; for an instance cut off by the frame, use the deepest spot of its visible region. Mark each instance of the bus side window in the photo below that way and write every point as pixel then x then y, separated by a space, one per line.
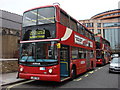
pixel 82 53
pixel 73 24
pixel 81 29
pixel 74 53
pixel 86 33
pixel 90 36
pixel 91 54
pixel 93 37
pixel 64 19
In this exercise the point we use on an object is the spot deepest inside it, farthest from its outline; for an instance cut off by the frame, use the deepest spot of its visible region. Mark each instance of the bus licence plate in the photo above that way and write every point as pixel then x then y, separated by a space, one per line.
pixel 35 78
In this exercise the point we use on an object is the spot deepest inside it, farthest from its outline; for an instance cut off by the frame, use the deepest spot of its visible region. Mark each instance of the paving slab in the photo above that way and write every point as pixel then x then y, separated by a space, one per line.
pixel 9 78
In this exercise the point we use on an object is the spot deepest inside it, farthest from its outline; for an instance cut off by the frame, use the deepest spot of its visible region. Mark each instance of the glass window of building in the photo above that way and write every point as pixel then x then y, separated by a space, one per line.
pixel 84 24
pixel 99 31
pixel 91 24
pixel 112 35
pixel 115 24
pixel 88 24
pixel 98 24
pixel 92 30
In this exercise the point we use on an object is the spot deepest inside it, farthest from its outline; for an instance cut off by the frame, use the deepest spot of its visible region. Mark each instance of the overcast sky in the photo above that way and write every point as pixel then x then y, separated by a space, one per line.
pixel 79 9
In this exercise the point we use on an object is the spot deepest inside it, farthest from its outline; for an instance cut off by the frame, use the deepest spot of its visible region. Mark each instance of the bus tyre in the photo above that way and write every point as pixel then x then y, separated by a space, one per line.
pixel 103 63
pixel 73 73
pixel 92 66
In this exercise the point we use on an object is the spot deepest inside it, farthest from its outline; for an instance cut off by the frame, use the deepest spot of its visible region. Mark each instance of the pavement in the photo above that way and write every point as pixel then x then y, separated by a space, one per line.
pixel 9 78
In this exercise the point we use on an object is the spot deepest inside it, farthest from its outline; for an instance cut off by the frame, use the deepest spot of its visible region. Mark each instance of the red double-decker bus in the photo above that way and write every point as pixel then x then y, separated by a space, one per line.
pixel 54 46
pixel 103 51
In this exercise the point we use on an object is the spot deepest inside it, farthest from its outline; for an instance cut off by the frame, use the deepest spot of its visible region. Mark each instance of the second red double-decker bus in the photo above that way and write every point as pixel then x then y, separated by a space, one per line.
pixel 103 51
pixel 54 46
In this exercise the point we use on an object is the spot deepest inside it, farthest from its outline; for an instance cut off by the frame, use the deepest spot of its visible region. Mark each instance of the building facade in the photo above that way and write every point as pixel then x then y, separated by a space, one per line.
pixel 107 25
pixel 10 26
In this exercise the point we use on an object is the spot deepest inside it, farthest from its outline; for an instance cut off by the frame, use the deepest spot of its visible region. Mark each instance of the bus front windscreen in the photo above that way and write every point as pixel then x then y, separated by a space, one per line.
pixel 39 16
pixel 38 54
pixel 99 54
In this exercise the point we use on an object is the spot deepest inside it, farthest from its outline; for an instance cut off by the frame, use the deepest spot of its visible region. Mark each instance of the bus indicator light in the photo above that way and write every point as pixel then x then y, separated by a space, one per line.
pixel 58 45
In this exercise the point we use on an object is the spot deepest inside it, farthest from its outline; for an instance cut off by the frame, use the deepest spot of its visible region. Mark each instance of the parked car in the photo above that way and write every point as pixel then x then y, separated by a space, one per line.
pixel 115 65
pixel 114 56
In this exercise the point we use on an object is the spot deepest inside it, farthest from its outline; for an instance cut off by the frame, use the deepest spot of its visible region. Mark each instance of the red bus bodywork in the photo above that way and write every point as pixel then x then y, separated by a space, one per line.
pixel 67 38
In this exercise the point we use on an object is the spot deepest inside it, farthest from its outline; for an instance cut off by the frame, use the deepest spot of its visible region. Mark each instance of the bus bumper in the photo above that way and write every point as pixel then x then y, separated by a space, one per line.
pixel 43 77
pixel 99 63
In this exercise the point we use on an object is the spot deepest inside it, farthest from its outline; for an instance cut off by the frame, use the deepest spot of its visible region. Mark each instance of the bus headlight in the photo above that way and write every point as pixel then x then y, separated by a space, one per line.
pixel 50 70
pixel 98 60
pixel 21 69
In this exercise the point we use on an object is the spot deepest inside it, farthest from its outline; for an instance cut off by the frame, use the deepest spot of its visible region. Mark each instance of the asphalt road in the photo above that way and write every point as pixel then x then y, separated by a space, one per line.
pixel 98 78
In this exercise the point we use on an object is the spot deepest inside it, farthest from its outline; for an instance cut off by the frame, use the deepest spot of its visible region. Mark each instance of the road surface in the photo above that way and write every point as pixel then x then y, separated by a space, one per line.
pixel 98 78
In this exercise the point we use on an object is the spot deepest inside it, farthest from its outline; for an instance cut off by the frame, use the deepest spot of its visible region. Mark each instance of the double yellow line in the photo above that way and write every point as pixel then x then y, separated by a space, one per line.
pixel 11 86
pixel 86 75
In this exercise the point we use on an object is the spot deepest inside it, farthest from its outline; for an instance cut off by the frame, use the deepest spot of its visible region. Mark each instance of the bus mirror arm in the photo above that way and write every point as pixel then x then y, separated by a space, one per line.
pixel 60 39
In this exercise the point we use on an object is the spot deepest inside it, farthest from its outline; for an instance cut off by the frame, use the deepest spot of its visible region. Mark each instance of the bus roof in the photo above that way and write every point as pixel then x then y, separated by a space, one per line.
pixel 63 11
pixel 41 7
pixel 103 39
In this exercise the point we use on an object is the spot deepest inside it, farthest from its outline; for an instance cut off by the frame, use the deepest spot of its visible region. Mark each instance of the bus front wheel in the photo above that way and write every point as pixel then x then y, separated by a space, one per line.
pixel 73 73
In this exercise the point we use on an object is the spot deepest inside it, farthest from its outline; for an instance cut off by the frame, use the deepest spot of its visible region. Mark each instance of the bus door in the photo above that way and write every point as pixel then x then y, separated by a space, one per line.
pixel 64 61
pixel 88 60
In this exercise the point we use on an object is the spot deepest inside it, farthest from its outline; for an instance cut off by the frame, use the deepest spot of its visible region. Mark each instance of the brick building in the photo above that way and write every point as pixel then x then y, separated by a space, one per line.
pixel 107 25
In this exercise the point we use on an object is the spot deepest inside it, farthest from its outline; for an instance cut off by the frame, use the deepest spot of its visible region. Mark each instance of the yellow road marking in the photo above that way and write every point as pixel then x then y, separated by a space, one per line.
pixel 99 68
pixel 96 70
pixel 86 75
pixel 91 72
pixel 9 87
pixel 78 79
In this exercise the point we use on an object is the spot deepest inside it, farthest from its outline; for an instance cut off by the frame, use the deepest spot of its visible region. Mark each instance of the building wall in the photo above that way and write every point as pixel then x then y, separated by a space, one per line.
pixel 10 27
pixel 9 46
